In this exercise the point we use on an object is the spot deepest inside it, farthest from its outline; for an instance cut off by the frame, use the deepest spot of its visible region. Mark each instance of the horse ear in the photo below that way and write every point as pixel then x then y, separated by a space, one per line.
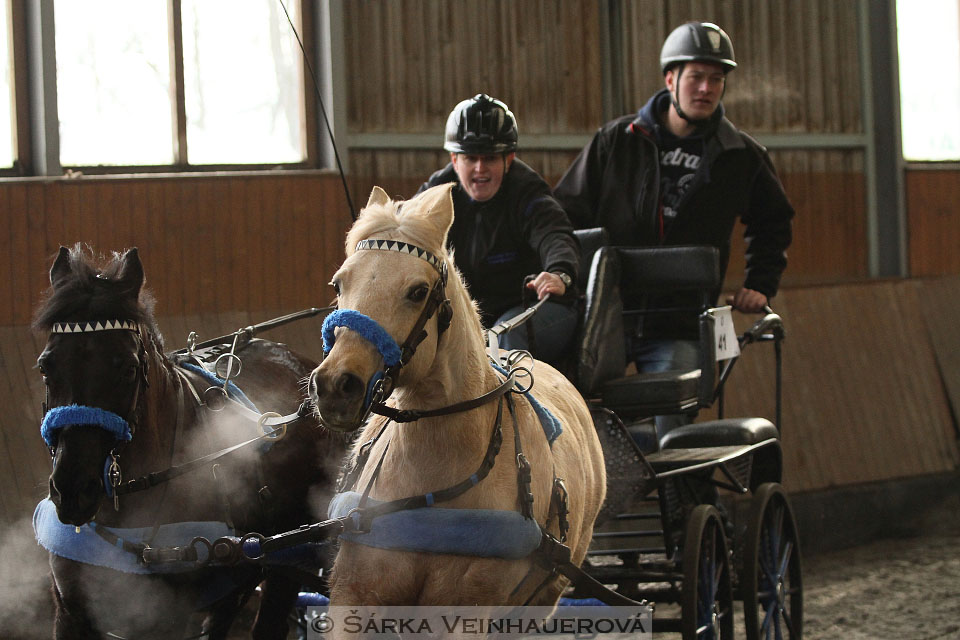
pixel 378 196
pixel 436 205
pixel 61 267
pixel 131 271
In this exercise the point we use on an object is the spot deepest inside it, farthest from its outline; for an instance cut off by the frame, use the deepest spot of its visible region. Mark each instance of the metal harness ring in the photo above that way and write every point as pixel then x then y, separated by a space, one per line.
pixel 216 400
pixel 275 433
pixel 260 540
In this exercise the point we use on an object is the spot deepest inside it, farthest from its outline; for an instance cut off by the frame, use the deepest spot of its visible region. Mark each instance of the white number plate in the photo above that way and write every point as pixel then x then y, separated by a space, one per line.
pixel 724 334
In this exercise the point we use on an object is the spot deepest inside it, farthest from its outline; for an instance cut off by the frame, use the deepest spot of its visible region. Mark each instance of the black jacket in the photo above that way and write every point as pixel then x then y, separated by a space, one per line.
pixel 520 231
pixel 615 182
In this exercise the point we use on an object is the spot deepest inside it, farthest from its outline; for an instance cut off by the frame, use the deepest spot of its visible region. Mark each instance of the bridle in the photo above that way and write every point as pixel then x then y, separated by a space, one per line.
pixel 122 428
pixel 272 424
pixel 395 356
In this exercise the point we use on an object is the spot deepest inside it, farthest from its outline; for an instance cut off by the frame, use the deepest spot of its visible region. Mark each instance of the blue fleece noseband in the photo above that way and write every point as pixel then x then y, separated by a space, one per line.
pixel 367 328
pixel 60 417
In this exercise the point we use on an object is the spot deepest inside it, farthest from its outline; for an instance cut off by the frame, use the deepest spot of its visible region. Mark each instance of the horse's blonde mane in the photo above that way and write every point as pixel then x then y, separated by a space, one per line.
pixel 390 221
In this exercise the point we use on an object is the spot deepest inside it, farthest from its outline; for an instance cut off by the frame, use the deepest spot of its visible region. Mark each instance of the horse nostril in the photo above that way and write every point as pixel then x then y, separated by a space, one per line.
pixel 54 493
pixel 349 385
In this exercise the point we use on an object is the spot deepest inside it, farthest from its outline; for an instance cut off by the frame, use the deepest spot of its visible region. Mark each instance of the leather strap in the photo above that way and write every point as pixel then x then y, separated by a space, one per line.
pixel 412 415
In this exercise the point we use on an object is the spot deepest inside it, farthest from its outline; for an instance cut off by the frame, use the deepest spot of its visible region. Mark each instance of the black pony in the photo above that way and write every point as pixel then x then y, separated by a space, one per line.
pixel 118 409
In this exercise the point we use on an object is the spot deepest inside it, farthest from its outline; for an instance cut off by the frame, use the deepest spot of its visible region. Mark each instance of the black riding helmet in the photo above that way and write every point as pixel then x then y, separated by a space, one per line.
pixel 696 42
pixel 481 125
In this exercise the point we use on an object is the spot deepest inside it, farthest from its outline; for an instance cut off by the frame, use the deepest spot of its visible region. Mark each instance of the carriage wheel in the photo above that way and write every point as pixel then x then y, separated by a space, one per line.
pixel 707 597
pixel 771 583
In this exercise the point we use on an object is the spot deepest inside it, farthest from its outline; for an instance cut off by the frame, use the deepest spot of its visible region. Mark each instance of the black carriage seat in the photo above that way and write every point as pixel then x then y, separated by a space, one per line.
pixel 719 433
pixel 590 241
pixel 619 279
pixel 765 463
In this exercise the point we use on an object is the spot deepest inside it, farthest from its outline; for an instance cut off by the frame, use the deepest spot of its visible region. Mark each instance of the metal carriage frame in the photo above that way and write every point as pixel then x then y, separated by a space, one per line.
pixel 667 535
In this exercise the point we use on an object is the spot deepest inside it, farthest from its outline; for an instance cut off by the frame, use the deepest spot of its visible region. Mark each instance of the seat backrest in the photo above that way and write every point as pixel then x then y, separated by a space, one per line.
pixel 693 272
pixel 601 353
pixel 590 240
pixel 669 270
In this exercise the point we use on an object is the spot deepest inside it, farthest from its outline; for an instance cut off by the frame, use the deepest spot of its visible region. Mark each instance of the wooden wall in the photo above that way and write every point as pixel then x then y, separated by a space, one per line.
pixel 933 221
pixel 214 243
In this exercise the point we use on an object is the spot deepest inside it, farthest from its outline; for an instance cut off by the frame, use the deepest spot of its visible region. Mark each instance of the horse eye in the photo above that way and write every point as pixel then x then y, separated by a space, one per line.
pixel 418 293
pixel 336 286
pixel 43 365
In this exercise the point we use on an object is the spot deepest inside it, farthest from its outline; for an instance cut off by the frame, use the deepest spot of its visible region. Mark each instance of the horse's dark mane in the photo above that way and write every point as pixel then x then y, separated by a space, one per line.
pixel 91 292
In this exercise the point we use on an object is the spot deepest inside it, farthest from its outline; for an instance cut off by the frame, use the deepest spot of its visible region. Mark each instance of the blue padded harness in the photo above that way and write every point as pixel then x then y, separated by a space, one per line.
pixel 552 427
pixel 485 533
pixel 60 417
pixel 90 548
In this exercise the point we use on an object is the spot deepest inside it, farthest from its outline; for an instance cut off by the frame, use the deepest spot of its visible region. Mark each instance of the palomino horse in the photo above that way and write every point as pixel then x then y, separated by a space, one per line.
pixel 398 286
pixel 104 367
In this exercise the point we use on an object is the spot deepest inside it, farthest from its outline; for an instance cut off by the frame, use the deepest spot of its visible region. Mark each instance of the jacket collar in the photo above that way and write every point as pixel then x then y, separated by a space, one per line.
pixel 718 128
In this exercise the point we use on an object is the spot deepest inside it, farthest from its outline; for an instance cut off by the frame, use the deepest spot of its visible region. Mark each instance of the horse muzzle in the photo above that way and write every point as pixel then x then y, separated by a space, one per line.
pixel 77 500
pixel 338 399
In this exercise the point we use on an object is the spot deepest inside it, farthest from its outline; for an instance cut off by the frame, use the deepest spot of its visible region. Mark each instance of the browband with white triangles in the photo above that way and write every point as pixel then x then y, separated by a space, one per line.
pixel 85 327
pixel 403 247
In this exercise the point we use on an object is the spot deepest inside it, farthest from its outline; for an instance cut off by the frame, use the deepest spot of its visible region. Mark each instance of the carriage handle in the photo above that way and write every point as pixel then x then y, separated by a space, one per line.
pixel 767 329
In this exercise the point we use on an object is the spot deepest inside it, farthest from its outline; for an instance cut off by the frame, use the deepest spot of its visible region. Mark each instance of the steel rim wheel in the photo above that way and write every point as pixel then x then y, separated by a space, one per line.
pixel 707 597
pixel 772 584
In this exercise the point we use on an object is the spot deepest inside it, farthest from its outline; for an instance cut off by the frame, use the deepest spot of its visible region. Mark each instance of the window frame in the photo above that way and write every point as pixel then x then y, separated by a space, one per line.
pixel 37 145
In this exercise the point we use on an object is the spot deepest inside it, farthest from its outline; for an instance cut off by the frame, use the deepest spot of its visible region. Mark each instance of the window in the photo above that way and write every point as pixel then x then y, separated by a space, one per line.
pixel 118 95
pixel 928 35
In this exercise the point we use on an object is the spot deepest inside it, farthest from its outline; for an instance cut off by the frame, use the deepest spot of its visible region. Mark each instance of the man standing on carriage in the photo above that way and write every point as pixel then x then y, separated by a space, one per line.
pixel 679 173
pixel 507 226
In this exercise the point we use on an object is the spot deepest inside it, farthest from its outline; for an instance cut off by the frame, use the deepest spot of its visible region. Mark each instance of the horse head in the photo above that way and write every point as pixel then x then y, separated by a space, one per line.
pixel 94 369
pixel 398 294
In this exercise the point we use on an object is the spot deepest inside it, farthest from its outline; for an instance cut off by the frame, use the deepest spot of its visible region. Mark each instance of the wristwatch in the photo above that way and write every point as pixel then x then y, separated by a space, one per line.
pixel 564 278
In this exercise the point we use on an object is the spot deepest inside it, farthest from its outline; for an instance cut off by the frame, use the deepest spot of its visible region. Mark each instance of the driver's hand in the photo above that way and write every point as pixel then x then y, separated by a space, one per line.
pixel 545 283
pixel 748 301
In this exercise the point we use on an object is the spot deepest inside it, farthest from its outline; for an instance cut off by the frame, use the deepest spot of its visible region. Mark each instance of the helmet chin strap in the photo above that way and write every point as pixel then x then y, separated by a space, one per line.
pixel 675 99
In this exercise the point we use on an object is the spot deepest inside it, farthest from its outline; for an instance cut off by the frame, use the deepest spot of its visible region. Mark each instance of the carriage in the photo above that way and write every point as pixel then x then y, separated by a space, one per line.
pixel 714 550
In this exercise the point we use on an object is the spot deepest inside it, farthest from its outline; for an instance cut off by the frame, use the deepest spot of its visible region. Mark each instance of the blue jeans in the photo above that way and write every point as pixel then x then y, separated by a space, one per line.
pixel 553 327
pixel 656 355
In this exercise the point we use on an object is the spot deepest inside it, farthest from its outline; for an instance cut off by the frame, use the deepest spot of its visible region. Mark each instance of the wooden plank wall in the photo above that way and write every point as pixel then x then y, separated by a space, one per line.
pixel 232 242
pixel 864 377
pixel 933 221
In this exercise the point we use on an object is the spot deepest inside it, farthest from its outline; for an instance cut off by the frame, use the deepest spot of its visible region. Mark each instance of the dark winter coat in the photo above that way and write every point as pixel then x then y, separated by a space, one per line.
pixel 520 231
pixel 615 182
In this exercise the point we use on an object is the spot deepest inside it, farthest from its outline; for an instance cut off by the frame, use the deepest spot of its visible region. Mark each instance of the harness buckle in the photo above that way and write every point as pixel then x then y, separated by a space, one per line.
pixel 560 496
pixel 115 476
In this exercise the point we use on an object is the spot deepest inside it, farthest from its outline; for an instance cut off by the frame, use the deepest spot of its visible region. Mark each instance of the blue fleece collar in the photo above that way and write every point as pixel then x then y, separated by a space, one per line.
pixel 73 414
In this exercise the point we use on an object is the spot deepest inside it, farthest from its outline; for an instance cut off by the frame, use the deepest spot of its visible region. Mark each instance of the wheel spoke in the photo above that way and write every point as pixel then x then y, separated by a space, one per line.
pixel 766 627
pixel 785 561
